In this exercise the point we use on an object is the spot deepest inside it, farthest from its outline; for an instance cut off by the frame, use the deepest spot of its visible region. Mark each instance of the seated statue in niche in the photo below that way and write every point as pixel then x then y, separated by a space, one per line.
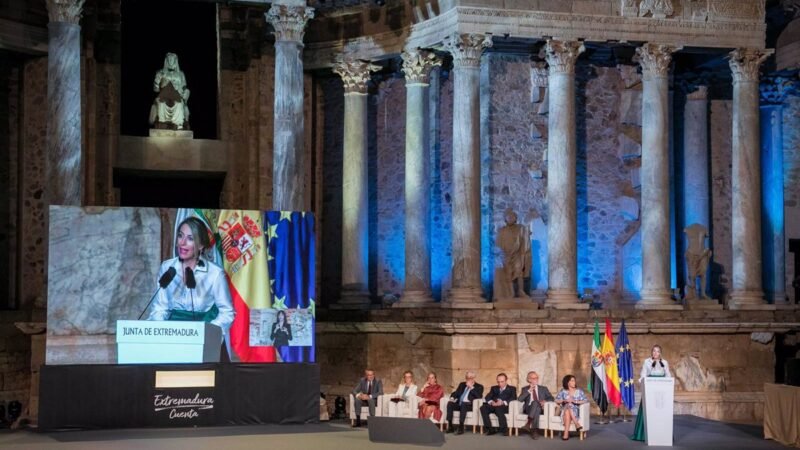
pixel 697 259
pixel 170 110
pixel 514 241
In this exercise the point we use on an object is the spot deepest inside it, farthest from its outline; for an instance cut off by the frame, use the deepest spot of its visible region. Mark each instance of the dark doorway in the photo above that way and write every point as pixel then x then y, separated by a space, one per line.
pixel 162 189
pixel 149 31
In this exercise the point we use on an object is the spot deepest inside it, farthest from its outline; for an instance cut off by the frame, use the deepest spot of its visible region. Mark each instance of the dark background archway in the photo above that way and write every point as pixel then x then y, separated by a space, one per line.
pixel 149 31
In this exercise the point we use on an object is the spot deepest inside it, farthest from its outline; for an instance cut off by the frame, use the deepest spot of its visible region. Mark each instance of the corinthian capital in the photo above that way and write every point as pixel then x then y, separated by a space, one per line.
pixel 65 10
pixel 745 62
pixel 655 59
pixel 289 21
pixel 561 55
pixel 417 65
pixel 467 48
pixel 355 74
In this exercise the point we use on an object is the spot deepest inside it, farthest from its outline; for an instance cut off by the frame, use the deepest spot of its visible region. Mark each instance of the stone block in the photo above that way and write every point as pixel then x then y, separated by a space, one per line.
pixel 591 7
pixel 498 359
pixel 473 342
pixel 465 359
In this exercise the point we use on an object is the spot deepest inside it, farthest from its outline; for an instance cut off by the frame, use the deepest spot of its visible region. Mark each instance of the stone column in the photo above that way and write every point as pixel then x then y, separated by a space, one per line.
pixel 656 268
pixel 466 227
pixel 417 65
pixel 747 292
pixel 695 159
pixel 288 181
pixel 64 153
pixel 772 197
pixel 562 228
pixel 355 238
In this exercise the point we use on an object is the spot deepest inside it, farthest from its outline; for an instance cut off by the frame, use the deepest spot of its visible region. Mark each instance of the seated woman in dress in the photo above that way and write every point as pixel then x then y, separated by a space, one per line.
pixel 570 398
pixel 399 404
pixel 199 289
pixel 430 395
pixel 654 366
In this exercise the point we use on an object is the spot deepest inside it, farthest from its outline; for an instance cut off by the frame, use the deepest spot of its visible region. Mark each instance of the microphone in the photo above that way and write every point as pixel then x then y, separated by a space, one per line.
pixel 191 283
pixel 163 282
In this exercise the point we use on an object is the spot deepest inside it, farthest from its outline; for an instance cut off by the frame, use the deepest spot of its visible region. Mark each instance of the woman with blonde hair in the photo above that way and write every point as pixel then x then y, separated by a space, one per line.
pixel 400 402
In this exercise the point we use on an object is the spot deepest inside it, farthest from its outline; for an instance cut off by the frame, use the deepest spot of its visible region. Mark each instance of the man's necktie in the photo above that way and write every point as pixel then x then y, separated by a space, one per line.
pixel 535 395
pixel 369 387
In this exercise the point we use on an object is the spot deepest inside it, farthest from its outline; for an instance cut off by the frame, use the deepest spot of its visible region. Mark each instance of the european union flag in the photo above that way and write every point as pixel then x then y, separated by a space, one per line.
pixel 291 264
pixel 625 368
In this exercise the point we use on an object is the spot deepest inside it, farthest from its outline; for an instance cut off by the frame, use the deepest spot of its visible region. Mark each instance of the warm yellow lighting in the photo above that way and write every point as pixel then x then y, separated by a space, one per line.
pixel 184 378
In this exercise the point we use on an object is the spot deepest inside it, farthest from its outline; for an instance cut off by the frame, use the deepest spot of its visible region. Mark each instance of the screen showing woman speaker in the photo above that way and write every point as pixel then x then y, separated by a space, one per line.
pixel 250 273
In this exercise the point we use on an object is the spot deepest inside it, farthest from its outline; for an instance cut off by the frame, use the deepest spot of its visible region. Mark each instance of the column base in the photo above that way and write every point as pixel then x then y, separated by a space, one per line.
pixel 564 299
pixel 416 299
pixel 353 300
pixel 658 300
pixel 515 303
pixel 708 304
pixel 749 300
pixel 786 306
pixel 466 298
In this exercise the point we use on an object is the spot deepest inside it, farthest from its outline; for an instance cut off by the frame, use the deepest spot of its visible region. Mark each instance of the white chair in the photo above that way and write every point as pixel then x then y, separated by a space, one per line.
pixel 472 419
pixel 495 423
pixel 521 419
pixel 364 413
pixel 555 424
pixel 407 409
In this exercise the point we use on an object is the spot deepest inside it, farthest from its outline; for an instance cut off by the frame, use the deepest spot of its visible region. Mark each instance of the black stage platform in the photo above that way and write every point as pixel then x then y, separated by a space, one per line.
pixel 125 396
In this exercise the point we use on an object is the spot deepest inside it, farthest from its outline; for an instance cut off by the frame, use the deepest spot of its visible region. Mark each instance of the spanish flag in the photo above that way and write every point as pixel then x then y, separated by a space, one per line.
pixel 610 360
pixel 244 256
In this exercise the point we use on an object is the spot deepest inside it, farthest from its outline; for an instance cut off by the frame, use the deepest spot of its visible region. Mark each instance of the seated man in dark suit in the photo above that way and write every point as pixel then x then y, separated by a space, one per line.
pixel 497 401
pixel 367 390
pixel 532 398
pixel 461 400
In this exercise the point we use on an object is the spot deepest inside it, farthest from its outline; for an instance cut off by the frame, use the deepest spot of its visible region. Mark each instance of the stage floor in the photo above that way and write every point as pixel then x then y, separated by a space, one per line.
pixel 690 433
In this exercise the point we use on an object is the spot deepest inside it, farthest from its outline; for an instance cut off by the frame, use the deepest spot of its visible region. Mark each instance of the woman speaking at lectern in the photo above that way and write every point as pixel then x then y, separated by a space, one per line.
pixel 654 366
pixel 198 290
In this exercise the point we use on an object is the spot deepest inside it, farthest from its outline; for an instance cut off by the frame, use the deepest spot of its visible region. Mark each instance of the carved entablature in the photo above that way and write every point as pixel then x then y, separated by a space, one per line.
pixel 68 11
pixel 355 74
pixel 467 48
pixel 658 9
pixel 722 24
pixel 735 10
pixel 417 65
pixel 746 62
pixel 289 21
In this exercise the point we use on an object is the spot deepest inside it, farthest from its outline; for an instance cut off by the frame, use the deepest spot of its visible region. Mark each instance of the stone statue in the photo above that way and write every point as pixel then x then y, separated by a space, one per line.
pixel 170 110
pixel 697 259
pixel 514 240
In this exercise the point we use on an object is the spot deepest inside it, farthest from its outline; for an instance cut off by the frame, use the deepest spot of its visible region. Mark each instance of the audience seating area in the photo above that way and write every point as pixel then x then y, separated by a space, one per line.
pixel 549 421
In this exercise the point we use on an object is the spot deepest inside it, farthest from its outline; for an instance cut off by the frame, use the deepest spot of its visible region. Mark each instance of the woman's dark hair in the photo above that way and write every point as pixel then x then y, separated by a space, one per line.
pixel 199 232
pixel 565 381
pixel 285 319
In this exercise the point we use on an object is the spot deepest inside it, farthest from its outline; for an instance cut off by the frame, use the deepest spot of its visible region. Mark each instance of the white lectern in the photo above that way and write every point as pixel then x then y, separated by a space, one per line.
pixel 657 399
pixel 164 342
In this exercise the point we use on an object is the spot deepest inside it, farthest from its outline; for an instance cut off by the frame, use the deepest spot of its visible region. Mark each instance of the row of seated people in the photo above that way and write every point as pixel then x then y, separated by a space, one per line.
pixel 533 409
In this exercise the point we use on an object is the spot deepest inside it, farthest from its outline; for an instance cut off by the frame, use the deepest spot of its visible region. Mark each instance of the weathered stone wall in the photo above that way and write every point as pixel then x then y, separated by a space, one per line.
pixel 791 183
pixel 391 138
pixel 246 108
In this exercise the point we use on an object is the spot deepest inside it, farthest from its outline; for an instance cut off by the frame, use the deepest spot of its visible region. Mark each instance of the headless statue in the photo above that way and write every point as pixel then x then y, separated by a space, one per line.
pixel 697 259
pixel 514 240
